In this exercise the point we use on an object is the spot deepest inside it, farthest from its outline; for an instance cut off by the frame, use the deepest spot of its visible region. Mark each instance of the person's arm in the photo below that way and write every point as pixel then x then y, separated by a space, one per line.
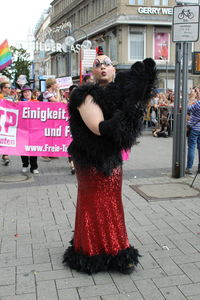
pixel 52 99
pixel 193 108
pixel 55 98
pixel 91 114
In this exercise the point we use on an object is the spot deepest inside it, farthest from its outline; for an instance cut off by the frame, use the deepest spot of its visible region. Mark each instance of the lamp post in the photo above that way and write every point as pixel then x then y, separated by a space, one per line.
pixel 70 42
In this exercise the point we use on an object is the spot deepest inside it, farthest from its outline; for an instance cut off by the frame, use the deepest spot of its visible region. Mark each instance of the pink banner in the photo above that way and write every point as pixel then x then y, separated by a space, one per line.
pixel 161 45
pixel 34 129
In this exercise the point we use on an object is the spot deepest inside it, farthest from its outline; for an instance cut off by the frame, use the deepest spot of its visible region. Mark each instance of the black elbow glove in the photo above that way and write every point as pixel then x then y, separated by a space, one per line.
pixel 111 127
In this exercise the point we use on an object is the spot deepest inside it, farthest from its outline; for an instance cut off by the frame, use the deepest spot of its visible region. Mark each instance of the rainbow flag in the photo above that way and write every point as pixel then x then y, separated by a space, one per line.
pixel 5 55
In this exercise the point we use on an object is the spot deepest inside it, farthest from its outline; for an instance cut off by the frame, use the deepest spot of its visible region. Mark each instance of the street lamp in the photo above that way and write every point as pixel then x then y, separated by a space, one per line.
pixel 70 42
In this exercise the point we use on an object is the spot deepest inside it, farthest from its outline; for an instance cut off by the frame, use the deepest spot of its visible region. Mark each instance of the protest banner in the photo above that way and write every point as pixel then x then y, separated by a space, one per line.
pixel 34 129
pixel 64 82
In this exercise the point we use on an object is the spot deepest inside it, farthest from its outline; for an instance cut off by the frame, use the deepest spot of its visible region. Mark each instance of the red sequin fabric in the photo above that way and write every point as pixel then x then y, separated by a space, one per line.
pixel 100 225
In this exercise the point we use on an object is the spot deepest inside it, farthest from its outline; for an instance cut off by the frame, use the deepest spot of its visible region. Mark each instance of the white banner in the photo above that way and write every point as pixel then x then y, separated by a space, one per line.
pixel 64 82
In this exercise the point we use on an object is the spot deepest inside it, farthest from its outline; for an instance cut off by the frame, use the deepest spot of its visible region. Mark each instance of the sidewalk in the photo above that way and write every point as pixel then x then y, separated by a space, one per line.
pixel 37 220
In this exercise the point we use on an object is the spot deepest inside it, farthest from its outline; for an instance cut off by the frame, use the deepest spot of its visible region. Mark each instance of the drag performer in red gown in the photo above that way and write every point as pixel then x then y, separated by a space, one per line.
pixel 105 118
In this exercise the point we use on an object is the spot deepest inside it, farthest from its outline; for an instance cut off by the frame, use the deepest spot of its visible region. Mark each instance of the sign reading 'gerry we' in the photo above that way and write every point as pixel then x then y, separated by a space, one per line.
pixel 155 10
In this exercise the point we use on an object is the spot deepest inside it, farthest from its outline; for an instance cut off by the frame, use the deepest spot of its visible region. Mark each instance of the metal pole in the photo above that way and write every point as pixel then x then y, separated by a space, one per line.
pixel 184 109
pixel 81 67
pixel 166 75
pixel 176 127
pixel 69 62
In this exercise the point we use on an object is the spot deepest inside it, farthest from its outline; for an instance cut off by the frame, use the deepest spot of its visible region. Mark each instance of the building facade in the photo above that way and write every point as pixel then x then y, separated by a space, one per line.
pixel 42 58
pixel 128 30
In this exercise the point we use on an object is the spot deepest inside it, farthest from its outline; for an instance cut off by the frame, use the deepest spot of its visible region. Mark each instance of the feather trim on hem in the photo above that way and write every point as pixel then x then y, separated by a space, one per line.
pixel 102 262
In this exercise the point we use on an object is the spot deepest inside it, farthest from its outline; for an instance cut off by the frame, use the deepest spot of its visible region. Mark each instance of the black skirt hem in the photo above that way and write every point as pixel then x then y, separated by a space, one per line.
pixel 102 262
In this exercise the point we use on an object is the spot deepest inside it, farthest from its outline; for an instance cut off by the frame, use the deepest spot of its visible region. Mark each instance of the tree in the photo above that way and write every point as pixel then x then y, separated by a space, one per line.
pixel 20 64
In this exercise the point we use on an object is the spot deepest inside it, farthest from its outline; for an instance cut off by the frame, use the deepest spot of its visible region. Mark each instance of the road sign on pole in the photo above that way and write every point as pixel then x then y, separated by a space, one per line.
pixel 185 23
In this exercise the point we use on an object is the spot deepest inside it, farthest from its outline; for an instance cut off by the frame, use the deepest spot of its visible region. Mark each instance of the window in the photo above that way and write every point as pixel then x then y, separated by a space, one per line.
pixel 157 2
pixel 161 46
pixel 71 19
pixel 98 7
pixel 61 65
pixel 113 3
pixel 136 45
pixel 136 2
pixel 112 44
pixel 83 15
pixel 75 64
pixel 165 3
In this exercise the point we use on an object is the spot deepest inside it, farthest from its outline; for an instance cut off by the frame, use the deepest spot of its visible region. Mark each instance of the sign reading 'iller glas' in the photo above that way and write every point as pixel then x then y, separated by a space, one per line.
pixel 186 23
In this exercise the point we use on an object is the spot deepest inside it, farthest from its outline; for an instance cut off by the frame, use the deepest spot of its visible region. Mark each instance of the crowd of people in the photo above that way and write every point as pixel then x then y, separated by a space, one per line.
pixel 159 114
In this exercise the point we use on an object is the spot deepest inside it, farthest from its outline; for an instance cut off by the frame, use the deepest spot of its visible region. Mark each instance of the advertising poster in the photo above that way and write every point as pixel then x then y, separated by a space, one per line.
pixel 161 46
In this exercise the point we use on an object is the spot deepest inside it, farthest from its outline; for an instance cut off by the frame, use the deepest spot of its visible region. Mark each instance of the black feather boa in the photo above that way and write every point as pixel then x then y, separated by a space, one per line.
pixel 102 262
pixel 128 96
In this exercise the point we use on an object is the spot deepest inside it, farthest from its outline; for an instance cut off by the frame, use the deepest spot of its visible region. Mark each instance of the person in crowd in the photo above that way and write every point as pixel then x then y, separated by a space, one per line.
pixel 153 112
pixel 5 88
pixel 163 130
pixel 88 78
pixel 6 91
pixel 63 97
pixel 105 118
pixel 52 93
pixel 36 94
pixel 28 160
pixel 194 136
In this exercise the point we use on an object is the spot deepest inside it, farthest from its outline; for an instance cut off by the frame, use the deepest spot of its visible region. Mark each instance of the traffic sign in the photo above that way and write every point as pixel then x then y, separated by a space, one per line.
pixel 185 23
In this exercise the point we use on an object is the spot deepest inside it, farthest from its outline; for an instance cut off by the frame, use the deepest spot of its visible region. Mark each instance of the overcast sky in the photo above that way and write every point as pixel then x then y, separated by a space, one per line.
pixel 18 17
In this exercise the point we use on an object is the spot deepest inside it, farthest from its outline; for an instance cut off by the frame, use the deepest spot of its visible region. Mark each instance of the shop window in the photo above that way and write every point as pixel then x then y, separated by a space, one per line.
pixel 136 45
pixel 161 46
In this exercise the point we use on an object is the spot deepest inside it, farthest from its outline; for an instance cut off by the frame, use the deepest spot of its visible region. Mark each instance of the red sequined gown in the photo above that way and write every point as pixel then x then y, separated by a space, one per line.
pixel 100 240
pixel 100 226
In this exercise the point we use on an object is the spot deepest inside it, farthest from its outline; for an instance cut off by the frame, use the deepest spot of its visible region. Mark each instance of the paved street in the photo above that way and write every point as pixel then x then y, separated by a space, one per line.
pixel 37 220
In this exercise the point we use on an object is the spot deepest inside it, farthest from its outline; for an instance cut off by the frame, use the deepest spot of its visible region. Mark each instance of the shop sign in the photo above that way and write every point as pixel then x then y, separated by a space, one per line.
pixel 155 10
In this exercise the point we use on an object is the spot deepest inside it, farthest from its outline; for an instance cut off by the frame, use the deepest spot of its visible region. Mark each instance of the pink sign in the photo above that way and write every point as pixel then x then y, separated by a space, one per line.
pixel 34 128
pixel 161 45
